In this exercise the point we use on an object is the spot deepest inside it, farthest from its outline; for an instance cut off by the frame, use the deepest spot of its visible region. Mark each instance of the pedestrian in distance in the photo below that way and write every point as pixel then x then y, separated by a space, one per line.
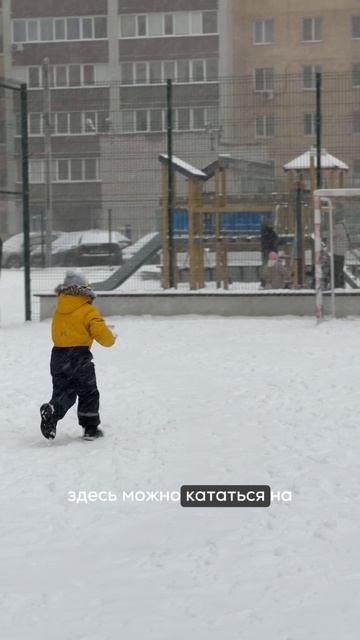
pixel 274 274
pixel 341 242
pixel 75 325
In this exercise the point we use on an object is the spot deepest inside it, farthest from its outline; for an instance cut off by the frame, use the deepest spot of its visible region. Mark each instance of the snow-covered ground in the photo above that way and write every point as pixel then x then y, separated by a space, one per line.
pixel 184 400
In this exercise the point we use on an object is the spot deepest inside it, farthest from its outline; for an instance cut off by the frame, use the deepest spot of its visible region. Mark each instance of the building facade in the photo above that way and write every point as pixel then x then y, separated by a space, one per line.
pixel 278 46
pixel 107 62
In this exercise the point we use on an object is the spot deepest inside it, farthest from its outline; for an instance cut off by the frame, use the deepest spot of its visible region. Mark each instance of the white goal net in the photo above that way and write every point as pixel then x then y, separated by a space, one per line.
pixel 336 245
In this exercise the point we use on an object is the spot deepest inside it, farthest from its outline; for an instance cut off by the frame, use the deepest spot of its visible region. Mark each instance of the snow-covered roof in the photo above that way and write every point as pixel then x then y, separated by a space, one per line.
pixel 327 161
pixel 182 167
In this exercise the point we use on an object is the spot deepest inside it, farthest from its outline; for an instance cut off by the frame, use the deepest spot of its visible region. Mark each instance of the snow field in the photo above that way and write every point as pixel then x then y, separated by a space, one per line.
pixel 185 400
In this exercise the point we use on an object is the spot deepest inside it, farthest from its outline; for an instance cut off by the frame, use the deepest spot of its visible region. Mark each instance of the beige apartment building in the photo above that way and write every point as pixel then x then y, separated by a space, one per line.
pixel 277 48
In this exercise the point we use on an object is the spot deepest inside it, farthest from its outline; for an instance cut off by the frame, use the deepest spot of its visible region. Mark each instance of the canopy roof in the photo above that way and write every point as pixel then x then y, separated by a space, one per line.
pixel 327 161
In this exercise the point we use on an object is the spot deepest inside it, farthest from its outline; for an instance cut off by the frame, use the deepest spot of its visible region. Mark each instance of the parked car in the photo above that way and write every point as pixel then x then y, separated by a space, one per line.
pixel 13 247
pixel 85 248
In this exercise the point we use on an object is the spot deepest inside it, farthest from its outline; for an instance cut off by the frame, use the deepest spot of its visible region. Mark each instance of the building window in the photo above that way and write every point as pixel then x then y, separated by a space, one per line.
pixel 75 123
pixel 76 170
pixel 356 122
pixel 264 79
pixel 36 171
pixel 73 75
pixel 153 120
pixel 263 31
pixel 356 75
pixel 356 171
pixel 35 124
pixel 264 126
pixel 181 71
pixel 309 75
pixel 312 29
pixel 355 26
pixel 178 23
pixel 309 124
pixel 50 29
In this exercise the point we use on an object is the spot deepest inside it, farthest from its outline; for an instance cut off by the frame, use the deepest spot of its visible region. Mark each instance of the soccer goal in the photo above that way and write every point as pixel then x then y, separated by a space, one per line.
pixel 336 244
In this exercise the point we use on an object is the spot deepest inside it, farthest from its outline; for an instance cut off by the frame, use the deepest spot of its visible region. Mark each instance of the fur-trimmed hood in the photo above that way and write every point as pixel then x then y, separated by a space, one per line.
pixel 76 290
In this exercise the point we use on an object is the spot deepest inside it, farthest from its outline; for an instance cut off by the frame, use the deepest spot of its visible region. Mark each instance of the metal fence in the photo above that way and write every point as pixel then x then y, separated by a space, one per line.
pixel 98 176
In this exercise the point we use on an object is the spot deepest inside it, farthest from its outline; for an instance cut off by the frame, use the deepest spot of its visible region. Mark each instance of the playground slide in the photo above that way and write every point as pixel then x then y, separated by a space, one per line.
pixel 153 245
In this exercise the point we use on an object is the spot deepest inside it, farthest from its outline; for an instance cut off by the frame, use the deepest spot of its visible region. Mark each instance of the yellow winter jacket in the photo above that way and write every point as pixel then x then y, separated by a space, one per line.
pixel 77 323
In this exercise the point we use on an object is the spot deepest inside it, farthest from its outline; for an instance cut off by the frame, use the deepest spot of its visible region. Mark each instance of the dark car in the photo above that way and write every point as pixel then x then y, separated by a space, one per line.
pixel 85 248
pixel 13 248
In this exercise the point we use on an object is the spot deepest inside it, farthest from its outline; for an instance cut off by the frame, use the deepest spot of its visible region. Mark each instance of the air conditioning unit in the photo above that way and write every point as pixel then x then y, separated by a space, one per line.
pixel 268 95
pixel 17 46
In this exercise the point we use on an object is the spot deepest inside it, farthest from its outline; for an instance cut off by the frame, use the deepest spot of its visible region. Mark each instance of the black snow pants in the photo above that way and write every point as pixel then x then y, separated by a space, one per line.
pixel 73 376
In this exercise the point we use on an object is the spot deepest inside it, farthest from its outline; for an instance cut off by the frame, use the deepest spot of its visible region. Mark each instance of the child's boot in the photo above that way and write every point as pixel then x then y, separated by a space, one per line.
pixel 48 421
pixel 91 433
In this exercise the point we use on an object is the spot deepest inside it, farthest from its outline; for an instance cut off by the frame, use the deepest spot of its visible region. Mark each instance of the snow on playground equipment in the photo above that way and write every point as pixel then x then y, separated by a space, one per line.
pixel 202 223
pixel 301 173
pixel 328 197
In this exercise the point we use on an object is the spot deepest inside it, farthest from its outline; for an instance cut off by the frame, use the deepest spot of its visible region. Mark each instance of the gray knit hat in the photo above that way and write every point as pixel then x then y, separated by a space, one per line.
pixel 75 284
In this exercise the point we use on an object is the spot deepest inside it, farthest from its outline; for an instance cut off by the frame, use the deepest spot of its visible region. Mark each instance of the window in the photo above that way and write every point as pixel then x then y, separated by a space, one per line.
pixel 61 123
pixel 155 24
pixel 87 28
pixel 309 75
pixel 264 79
pixel 90 169
pixel 178 23
pixel 60 76
pixel 63 170
pixel 74 75
pixel 183 119
pixel 127 73
pixel 35 123
pixel 199 118
pixel 356 122
pixel 141 26
pixel 75 122
pixel 212 69
pixel 209 22
pixel 169 70
pixel 355 25
pixel 141 120
pixel 140 72
pixel 198 71
pixel 34 77
pixel 155 72
pixel 183 71
pixel 356 75
pixel 127 119
pixel 88 74
pixel 264 126
pixel 156 123
pixel 60 29
pixel 182 23
pixel 46 29
pixel 76 174
pixel 312 28
pixel 100 27
pixel 168 24
pixel 73 28
pixel 309 124
pixel 36 171
pixel 128 26
pixel 263 32
pixel 356 170
pixel 19 31
pixel 49 29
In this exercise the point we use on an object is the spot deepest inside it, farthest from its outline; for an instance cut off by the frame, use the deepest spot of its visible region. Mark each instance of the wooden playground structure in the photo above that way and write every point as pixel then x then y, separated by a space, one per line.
pixel 293 218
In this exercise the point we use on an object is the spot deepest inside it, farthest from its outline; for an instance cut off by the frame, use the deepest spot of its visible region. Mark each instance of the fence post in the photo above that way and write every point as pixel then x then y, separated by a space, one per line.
pixel 25 197
pixel 170 181
pixel 318 130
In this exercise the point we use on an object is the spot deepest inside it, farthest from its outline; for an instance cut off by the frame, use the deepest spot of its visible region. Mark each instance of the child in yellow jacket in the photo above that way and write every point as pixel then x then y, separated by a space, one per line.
pixel 76 324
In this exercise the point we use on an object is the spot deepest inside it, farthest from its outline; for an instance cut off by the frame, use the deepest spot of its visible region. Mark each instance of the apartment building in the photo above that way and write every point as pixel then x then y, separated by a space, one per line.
pixel 278 47
pixel 108 64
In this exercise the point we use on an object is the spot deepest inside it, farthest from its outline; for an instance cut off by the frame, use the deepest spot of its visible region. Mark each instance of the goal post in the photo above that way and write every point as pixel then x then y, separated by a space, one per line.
pixel 325 202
